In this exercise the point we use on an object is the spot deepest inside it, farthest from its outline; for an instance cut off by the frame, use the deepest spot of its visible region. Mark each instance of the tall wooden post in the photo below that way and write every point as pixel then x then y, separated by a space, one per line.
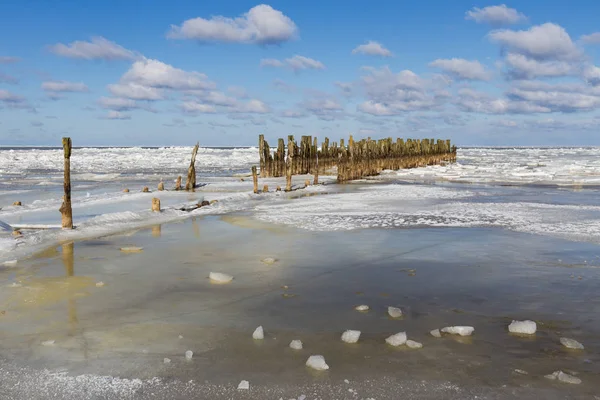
pixel 65 208
pixel 289 166
pixel 255 179
pixel 261 152
pixel 190 183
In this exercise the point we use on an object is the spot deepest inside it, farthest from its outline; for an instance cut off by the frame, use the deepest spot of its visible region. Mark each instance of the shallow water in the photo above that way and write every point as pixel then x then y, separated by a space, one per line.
pixel 439 277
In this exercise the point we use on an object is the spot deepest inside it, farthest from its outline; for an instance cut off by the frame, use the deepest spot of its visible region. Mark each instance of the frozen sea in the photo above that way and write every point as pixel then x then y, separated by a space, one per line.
pixel 503 234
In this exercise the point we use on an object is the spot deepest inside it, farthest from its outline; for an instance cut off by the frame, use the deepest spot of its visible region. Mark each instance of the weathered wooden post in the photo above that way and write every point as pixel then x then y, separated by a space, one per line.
pixel 289 164
pixel 190 183
pixel 255 179
pixel 261 153
pixel 178 183
pixel 161 186
pixel 65 208
pixel 266 189
pixel 155 204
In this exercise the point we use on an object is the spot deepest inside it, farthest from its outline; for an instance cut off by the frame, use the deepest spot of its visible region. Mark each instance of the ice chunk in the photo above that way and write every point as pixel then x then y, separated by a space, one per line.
pixel 413 345
pixel 244 385
pixel 48 343
pixel 258 333
pixel 189 354
pixel 317 362
pixel 350 336
pixel 269 260
pixel 99 284
pixel 436 333
pixel 131 249
pixel 521 372
pixel 565 378
pixel 302 397
pixel 522 327
pixel 10 263
pixel 397 340
pixel 459 330
pixel 180 337
pixel 167 360
pixel 394 312
pixel 296 344
pixel 571 343
pixel 218 277
pixel 362 307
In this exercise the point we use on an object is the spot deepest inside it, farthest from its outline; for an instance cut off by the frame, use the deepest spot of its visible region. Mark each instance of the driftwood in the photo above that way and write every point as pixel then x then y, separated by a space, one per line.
pixel 190 183
pixel 65 208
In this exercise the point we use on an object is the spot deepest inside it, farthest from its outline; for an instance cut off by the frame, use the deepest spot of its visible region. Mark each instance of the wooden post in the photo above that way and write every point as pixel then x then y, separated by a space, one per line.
pixel 190 183
pixel 155 204
pixel 178 183
pixel 266 189
pixel 316 165
pixel 65 208
pixel 289 165
pixel 255 179
pixel 161 186
pixel 261 152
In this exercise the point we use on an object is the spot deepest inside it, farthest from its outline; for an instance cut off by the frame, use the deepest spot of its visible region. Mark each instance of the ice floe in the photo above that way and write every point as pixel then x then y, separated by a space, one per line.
pixel 317 362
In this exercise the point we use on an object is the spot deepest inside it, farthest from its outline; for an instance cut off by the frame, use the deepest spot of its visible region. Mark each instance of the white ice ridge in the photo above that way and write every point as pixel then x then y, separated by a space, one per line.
pixel 350 336
pixel 219 277
pixel 317 362
pixel 459 330
pixel 258 333
pixel 523 327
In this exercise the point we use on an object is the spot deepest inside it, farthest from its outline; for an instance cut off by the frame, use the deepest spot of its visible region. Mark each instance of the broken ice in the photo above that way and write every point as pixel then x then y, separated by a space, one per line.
pixel 258 333
pixel 522 327
pixel 394 312
pixel 459 330
pixel 413 345
pixel 244 385
pixel 566 378
pixel 350 336
pixel 189 354
pixel 296 344
pixel 571 343
pixel 317 362
pixel 436 333
pixel 219 277
pixel 397 340
pixel 362 307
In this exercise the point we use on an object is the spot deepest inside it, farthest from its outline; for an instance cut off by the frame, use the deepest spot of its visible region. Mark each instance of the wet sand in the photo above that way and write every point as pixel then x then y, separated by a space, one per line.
pixel 439 277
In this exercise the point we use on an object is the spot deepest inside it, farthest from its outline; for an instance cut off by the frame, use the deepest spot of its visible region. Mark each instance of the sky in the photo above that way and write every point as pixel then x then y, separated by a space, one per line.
pixel 170 73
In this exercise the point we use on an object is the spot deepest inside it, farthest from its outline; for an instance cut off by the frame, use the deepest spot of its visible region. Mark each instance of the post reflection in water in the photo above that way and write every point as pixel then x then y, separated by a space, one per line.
pixel 69 263
pixel 156 230
pixel 195 227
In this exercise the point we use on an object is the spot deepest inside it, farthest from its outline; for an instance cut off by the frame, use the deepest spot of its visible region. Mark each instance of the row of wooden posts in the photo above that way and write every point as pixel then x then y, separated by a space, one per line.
pixel 356 160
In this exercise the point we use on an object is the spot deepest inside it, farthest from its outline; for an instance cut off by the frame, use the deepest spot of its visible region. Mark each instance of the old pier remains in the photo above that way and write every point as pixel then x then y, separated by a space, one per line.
pixel 357 159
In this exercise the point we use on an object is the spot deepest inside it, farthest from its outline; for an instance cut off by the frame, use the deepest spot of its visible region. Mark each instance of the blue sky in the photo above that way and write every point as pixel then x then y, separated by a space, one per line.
pixel 117 72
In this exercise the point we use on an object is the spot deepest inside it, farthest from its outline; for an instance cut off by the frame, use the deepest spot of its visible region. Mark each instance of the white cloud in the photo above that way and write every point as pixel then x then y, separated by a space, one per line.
pixel 193 107
pixel 9 60
pixel 252 106
pixel 292 114
pixel 117 115
pixel 462 69
pixel 522 67
pixel 591 74
pixel 64 86
pixel 593 38
pixel 541 42
pixel 495 15
pixel 324 107
pixel 98 48
pixel 118 104
pixel 295 63
pixel 11 100
pixel 372 48
pixel 135 91
pixel 156 74
pixel 556 98
pixel 505 123
pixel 470 100
pixel 261 25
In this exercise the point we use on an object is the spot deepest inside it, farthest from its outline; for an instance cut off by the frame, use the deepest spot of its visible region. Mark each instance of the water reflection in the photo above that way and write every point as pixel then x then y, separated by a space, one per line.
pixel 156 230
pixel 68 258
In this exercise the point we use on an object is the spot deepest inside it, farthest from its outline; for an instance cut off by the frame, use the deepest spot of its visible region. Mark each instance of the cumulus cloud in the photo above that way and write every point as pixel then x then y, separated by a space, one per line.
pixel 523 67
pixel 593 38
pixel 9 60
pixel 463 69
pixel 64 86
pixel 260 25
pixel 295 63
pixel 11 100
pixel 391 93
pixel 156 74
pixel 118 104
pixel 135 91
pixel 324 107
pixel 495 15
pixel 98 48
pixel 556 97
pixel 591 74
pixel 372 48
pixel 541 42
pixel 470 100
pixel 192 107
